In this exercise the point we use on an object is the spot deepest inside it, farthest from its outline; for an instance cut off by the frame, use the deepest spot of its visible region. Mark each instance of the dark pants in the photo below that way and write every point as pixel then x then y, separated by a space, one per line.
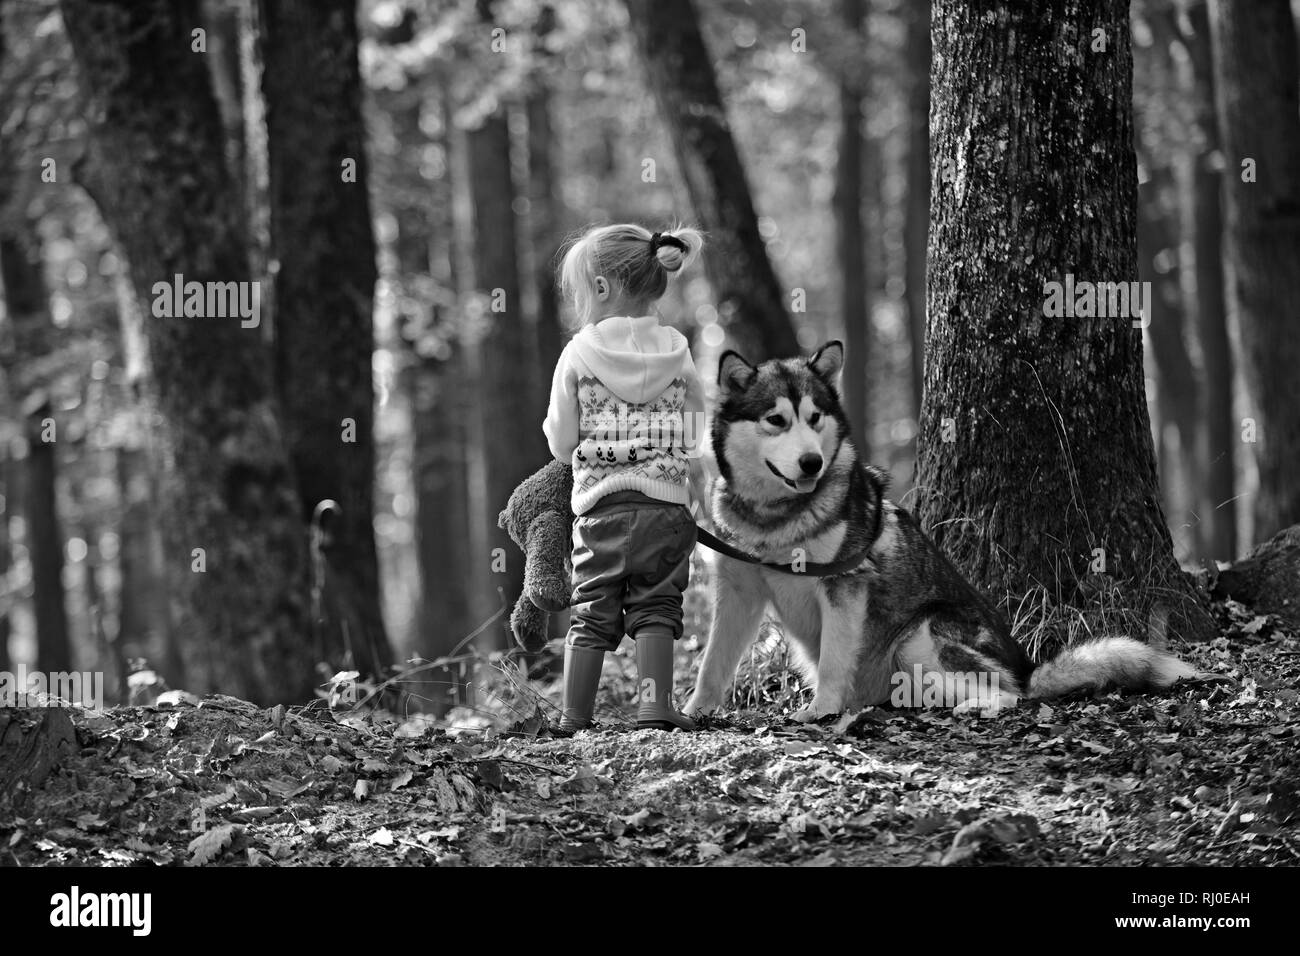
pixel 631 563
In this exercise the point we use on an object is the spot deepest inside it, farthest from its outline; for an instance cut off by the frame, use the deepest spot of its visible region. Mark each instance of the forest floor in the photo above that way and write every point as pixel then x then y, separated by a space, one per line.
pixel 1206 774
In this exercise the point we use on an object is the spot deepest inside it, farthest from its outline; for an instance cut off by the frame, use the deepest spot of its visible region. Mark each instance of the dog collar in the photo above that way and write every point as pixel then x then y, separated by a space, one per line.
pixel 815 569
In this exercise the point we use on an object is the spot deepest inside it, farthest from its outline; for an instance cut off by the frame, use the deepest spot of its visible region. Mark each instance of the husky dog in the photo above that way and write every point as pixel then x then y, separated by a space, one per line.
pixel 886 609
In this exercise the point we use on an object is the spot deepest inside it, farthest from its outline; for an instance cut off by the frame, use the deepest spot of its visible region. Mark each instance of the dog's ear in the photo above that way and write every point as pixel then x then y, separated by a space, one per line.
pixel 828 362
pixel 734 373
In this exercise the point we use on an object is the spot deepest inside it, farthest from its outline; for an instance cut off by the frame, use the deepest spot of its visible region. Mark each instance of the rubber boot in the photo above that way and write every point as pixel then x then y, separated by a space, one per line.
pixel 582 667
pixel 654 665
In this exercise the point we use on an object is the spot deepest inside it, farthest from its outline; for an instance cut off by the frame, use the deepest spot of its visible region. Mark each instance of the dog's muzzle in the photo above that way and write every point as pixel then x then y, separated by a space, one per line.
pixel 803 484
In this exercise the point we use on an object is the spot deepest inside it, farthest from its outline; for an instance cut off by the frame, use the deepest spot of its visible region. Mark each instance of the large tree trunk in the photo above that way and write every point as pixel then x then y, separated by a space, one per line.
pixel 850 238
pixel 324 289
pixel 1219 436
pixel 236 551
pixel 1045 468
pixel 916 223
pixel 1256 95
pixel 750 303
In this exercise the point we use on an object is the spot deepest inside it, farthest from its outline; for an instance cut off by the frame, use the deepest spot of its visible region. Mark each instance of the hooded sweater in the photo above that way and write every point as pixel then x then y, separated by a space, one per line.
pixel 627 411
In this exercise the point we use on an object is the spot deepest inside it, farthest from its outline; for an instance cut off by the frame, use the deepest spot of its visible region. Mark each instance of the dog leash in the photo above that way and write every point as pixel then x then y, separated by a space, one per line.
pixel 813 568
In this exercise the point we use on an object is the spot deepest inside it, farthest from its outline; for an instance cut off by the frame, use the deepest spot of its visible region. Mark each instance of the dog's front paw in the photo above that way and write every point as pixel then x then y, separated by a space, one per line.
pixel 700 704
pixel 815 712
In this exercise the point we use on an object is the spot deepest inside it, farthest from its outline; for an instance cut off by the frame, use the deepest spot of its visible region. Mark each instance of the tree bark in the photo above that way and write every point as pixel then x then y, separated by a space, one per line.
pixel 1254 52
pixel 1218 436
pixel 324 290
pixel 850 238
pixel 33 742
pixel 1036 461
pixel 751 305
pixel 916 223
pixel 154 167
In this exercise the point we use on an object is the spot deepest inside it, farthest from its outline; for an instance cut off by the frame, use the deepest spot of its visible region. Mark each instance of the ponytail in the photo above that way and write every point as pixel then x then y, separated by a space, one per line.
pixel 638 260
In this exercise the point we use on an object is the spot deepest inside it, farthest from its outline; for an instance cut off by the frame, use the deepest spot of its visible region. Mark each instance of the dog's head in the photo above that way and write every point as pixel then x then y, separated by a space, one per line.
pixel 779 425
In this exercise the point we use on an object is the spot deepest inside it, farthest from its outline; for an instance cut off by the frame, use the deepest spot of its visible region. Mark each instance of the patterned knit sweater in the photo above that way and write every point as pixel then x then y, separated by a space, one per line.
pixel 627 410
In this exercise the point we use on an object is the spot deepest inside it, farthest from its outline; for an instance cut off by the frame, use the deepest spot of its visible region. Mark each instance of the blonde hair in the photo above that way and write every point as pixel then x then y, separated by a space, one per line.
pixel 638 260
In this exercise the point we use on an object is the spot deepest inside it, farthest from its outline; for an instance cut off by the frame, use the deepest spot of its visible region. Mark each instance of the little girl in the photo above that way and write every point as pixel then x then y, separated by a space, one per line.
pixel 627 410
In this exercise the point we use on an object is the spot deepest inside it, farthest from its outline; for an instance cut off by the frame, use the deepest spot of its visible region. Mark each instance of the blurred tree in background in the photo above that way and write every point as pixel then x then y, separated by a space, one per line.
pixel 235 556
pixel 1255 69
pixel 322 240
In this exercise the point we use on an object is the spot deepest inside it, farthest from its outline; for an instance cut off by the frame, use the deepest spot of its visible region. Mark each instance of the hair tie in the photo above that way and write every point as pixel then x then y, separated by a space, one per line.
pixel 659 240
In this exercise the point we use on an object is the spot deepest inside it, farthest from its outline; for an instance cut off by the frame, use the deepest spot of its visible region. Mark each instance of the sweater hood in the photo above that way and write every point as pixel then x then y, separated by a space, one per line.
pixel 633 356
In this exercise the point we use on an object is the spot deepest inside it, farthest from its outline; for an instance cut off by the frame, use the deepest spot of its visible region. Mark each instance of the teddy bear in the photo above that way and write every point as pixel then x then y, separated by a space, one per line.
pixel 539 519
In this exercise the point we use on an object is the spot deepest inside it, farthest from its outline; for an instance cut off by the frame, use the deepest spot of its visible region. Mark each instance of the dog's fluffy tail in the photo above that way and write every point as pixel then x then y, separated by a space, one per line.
pixel 1107 663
